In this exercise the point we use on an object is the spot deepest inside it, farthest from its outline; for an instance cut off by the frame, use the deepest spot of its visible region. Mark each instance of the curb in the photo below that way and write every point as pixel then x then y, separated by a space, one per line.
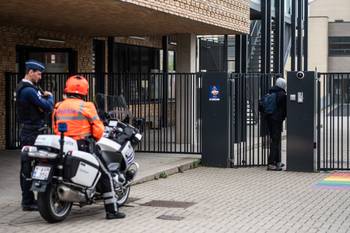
pixel 169 171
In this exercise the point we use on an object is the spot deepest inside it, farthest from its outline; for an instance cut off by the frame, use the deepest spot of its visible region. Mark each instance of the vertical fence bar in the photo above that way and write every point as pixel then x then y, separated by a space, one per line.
pixel 187 114
pixel 177 81
pixel 192 113
pixel 259 119
pixel 240 91
pixel 155 104
pixel 338 119
pixel 173 80
pixel 342 117
pixel 324 125
pixel 248 120
pixel 318 122
pixel 181 114
pixel 244 118
pixel 333 123
pixel 198 116
pixel 347 125
pixel 200 84
pixel 255 122
pixel 148 118
pixel 160 116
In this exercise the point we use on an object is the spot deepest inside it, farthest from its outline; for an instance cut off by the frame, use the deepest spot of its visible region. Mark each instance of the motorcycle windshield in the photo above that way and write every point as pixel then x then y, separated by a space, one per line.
pixel 112 107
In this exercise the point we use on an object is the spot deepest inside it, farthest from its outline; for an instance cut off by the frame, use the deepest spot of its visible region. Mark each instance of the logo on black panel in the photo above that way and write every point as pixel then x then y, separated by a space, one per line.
pixel 214 93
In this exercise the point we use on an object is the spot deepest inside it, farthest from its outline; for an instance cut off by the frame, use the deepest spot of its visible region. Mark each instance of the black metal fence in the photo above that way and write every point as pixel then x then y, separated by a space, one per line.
pixel 333 121
pixel 167 106
pixel 249 135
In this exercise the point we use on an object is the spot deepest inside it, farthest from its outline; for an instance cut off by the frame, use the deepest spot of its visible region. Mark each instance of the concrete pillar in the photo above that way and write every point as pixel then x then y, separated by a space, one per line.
pixel 318 44
pixel 186 92
pixel 318 47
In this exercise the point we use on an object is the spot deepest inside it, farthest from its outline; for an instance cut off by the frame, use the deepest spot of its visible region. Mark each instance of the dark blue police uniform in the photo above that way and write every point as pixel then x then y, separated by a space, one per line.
pixel 32 108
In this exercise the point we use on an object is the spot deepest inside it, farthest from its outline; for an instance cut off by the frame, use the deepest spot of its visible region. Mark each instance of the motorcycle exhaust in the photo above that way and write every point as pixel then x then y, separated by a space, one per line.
pixel 67 194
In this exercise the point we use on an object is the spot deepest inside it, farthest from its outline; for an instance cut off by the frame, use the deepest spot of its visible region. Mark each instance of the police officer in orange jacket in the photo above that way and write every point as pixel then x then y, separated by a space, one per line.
pixel 83 123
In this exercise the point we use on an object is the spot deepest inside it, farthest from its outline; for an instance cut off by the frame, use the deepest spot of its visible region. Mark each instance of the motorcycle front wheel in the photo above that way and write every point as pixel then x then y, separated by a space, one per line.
pixel 50 207
pixel 123 195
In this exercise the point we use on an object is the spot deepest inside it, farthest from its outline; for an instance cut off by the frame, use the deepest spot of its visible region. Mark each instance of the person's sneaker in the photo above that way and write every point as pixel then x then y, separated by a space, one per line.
pixel 30 207
pixel 279 164
pixel 115 215
pixel 272 167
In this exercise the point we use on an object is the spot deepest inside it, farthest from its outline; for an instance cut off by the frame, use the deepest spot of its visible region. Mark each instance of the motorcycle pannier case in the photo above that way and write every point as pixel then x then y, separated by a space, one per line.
pixel 81 168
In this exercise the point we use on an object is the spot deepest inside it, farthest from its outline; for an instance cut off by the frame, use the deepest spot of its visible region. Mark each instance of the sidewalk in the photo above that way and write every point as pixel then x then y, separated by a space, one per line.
pixel 152 166
pixel 202 200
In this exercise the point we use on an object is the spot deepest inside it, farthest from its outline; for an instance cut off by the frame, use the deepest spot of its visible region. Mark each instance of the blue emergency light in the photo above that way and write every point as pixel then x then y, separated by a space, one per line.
pixel 62 127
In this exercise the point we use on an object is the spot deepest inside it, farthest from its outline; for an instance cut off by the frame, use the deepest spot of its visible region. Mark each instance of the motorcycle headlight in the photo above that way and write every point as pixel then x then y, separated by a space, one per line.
pixel 27 149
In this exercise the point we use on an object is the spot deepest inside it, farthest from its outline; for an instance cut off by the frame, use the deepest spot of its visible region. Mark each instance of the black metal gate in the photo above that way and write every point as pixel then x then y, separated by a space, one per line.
pixel 249 136
pixel 168 104
pixel 333 121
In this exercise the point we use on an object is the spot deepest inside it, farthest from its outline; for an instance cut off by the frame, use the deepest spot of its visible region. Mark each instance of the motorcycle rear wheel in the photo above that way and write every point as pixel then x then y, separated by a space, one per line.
pixel 122 195
pixel 50 207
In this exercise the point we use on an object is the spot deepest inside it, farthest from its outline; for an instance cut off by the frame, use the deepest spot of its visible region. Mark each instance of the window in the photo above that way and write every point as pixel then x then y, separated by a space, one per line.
pixel 339 46
pixel 231 53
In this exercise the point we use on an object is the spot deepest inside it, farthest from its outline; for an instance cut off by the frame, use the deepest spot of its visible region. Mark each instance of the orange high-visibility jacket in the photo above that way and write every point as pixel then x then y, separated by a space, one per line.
pixel 81 118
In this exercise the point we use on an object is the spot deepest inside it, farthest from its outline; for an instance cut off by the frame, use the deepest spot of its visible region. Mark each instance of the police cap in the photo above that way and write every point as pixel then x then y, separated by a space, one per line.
pixel 35 65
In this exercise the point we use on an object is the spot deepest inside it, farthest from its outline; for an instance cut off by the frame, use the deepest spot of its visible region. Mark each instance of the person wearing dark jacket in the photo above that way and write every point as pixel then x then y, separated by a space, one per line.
pixel 33 106
pixel 275 124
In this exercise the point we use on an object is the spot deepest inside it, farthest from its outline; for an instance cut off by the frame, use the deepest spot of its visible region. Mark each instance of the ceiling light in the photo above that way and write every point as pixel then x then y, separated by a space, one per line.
pixel 137 37
pixel 51 40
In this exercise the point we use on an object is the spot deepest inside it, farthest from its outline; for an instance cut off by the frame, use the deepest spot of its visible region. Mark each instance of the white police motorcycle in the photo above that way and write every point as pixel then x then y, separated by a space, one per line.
pixel 64 176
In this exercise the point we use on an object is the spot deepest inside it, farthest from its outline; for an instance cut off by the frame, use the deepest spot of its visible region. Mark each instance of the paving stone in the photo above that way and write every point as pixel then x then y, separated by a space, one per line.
pixel 227 200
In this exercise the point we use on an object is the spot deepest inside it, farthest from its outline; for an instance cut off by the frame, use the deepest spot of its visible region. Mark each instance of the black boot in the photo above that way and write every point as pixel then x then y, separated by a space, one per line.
pixel 273 167
pixel 114 215
pixel 112 211
pixel 32 206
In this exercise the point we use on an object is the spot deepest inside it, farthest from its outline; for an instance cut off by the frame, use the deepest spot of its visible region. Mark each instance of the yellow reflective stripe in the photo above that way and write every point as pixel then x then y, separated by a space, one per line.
pixel 81 106
pixel 95 118
pixel 70 118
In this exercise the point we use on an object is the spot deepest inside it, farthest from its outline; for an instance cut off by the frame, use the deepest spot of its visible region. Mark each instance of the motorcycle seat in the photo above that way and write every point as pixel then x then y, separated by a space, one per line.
pixel 113 167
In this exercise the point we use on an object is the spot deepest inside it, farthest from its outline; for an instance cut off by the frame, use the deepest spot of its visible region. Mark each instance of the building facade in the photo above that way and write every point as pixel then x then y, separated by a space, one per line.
pixel 329 36
pixel 62 34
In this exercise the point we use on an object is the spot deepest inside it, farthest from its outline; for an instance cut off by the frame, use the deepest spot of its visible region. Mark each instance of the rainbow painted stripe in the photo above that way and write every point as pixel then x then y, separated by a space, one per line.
pixel 336 181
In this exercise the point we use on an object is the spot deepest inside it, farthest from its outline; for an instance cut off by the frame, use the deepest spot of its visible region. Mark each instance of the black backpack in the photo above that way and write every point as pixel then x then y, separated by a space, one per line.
pixel 268 103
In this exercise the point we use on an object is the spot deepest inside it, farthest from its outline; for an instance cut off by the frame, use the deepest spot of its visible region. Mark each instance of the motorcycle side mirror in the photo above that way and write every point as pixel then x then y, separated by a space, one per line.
pixel 106 115
pixel 62 127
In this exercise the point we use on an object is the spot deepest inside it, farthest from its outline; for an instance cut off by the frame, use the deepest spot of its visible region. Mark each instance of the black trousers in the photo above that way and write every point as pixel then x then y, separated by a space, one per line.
pixel 27 138
pixel 275 132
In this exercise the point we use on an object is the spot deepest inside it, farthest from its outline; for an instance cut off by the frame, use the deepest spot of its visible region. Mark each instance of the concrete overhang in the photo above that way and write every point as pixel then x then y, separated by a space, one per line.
pixel 101 18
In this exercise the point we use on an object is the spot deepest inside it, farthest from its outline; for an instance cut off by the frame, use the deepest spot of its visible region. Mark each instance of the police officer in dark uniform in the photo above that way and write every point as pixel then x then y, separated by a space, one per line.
pixel 33 107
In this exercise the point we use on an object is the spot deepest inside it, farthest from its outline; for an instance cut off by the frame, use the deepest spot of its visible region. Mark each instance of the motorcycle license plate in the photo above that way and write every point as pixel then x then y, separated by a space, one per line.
pixel 41 173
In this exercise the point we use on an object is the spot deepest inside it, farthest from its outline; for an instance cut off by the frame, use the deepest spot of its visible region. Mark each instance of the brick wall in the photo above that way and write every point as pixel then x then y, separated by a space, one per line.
pixel 232 14
pixel 11 36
